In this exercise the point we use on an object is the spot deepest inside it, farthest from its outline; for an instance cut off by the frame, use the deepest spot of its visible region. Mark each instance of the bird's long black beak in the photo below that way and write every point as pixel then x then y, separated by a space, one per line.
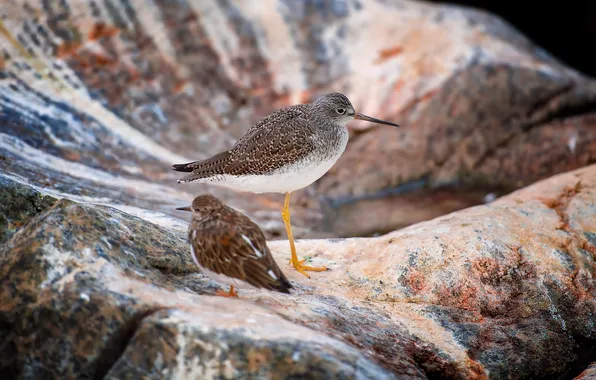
pixel 360 116
pixel 187 208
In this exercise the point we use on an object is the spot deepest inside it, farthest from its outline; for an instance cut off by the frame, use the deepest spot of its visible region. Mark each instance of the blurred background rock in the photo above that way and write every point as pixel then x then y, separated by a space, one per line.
pixel 567 32
pixel 99 98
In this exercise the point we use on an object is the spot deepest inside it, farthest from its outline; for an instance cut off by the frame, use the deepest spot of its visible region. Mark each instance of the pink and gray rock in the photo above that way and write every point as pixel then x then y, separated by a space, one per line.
pixel 499 291
pixel 588 374
pixel 98 99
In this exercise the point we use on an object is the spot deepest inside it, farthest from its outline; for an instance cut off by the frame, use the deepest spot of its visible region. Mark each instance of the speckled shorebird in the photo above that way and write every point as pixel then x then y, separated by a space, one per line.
pixel 230 248
pixel 285 151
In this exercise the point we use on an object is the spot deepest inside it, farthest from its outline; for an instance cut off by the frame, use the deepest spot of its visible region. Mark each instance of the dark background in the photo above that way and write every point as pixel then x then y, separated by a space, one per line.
pixel 566 29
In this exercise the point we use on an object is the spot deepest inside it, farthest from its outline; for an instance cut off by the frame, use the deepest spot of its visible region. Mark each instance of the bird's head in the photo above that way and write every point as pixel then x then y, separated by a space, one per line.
pixel 203 205
pixel 338 109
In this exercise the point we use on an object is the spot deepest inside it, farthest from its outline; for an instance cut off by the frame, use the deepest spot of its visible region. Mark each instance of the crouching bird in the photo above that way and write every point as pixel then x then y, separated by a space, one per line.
pixel 230 248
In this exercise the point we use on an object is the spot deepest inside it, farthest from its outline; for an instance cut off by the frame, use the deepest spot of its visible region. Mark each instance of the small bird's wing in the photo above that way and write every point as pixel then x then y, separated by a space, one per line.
pixel 238 253
pixel 275 141
pixel 281 137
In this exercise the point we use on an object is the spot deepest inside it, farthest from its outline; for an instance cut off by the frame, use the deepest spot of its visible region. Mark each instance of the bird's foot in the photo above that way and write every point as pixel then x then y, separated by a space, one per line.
pixel 300 267
pixel 232 293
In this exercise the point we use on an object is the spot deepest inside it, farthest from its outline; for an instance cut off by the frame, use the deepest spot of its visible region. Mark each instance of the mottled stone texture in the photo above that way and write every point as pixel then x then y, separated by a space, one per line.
pixel 588 374
pixel 18 203
pixel 502 291
pixel 100 98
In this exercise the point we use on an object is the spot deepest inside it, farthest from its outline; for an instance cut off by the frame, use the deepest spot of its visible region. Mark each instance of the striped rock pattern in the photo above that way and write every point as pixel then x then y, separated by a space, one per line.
pixel 99 98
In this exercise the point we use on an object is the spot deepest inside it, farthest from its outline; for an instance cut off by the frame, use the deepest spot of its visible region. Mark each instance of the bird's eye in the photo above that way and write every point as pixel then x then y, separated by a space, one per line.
pixel 341 111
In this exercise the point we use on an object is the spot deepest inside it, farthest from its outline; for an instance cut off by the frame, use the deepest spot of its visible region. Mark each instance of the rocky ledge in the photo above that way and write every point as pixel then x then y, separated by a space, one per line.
pixel 501 291
pixel 99 98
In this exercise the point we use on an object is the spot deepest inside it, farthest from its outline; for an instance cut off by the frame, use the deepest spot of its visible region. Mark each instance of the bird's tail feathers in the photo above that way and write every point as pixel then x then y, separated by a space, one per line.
pixel 191 177
pixel 184 167
pixel 284 285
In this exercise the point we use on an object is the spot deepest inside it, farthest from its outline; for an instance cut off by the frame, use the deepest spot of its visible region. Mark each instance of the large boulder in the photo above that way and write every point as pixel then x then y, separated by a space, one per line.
pixel 99 100
pixel 588 374
pixel 501 291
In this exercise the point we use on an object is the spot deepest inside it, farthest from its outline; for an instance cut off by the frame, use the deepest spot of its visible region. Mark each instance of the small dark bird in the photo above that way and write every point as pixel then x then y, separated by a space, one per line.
pixel 230 248
pixel 286 151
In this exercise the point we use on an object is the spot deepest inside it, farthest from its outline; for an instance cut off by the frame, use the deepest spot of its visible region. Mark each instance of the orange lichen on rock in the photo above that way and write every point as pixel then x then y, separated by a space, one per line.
pixel 100 30
pixel 389 53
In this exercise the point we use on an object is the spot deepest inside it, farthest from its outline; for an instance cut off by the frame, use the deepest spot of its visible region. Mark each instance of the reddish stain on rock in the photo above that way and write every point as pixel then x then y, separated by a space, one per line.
pixel 416 280
pixel 100 30
pixel 561 203
pixel 67 49
pixel 387 54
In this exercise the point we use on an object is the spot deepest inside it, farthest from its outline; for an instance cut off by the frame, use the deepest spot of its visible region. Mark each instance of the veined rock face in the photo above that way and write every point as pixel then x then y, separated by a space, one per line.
pixel 99 98
pixel 500 291
pixel 588 374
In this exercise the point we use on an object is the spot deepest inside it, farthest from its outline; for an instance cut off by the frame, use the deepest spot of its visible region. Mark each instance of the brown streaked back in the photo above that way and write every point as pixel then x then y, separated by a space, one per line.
pixel 274 142
pixel 227 242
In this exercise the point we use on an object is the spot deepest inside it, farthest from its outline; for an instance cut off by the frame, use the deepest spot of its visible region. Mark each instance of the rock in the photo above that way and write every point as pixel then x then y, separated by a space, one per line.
pixel 99 101
pixel 80 300
pixel 18 203
pixel 500 291
pixel 588 374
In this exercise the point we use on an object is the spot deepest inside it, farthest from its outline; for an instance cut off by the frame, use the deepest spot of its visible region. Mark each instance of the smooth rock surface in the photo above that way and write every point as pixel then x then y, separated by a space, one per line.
pixel 588 374
pixel 502 291
pixel 99 99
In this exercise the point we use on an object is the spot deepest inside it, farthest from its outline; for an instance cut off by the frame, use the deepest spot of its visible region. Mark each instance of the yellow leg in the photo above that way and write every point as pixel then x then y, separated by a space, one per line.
pixel 285 214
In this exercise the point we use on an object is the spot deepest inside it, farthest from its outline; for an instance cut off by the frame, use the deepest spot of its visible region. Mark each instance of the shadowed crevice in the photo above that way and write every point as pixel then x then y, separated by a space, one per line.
pixel 118 342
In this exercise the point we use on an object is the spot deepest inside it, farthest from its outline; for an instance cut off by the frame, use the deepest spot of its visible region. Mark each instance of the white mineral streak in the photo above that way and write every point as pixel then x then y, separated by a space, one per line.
pixel 55 259
pixel 68 88
pixel 26 152
pixel 206 366
pixel 154 217
pixel 222 37
pixel 275 43
pixel 150 19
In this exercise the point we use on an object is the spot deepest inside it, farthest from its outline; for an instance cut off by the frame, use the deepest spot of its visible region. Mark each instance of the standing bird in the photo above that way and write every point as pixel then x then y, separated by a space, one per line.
pixel 283 152
pixel 230 248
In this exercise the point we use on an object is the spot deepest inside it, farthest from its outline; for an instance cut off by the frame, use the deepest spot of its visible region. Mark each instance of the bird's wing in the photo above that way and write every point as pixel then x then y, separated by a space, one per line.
pixel 272 143
pixel 238 253
pixel 204 168
pixel 281 136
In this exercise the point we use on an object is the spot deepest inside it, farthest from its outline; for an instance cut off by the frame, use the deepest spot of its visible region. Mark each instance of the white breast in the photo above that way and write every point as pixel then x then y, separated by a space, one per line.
pixel 290 177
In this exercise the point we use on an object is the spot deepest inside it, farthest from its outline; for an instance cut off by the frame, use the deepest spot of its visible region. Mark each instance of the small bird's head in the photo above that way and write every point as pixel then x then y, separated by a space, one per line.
pixel 338 109
pixel 203 205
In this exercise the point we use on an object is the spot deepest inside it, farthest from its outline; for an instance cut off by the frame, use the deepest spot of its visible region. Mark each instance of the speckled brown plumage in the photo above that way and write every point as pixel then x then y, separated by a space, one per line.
pixel 226 242
pixel 279 139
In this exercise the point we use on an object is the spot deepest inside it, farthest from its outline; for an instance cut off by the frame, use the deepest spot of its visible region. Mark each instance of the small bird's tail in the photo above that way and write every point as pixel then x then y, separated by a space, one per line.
pixel 192 177
pixel 203 169
pixel 284 285
pixel 184 167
